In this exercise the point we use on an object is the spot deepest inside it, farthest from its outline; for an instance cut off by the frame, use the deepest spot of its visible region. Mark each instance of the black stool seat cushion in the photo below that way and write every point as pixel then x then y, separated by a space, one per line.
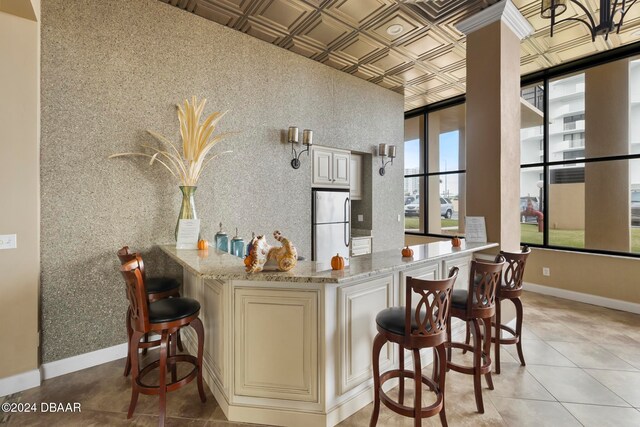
pixel 459 298
pixel 157 285
pixel 392 320
pixel 170 309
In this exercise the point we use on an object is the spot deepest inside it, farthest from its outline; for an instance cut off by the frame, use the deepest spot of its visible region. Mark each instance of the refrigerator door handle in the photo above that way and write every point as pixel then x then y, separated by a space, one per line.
pixel 346 224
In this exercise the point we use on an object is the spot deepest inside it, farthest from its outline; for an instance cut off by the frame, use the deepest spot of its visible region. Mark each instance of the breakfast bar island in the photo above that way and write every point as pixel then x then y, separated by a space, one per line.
pixel 294 348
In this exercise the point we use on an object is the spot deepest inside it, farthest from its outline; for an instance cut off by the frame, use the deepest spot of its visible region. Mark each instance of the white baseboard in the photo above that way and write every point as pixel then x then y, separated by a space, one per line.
pixel 19 382
pixel 83 361
pixel 615 304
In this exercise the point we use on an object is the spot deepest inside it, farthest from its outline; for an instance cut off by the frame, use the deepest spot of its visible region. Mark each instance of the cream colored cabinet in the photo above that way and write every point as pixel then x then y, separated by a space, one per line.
pixel 276 344
pixel 330 167
pixel 358 306
pixel 360 246
pixel 464 264
pixel 355 186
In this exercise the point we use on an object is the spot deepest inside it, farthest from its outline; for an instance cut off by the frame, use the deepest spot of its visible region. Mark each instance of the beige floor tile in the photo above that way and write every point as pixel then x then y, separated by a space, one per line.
pixel 554 331
pixel 514 381
pixel 590 355
pixel 534 413
pixel 522 394
pixel 630 353
pixel 540 353
pixel 573 385
pixel 604 416
pixel 624 384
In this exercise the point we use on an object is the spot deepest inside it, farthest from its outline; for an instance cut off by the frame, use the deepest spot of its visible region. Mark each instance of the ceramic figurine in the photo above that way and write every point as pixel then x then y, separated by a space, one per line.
pixel 284 257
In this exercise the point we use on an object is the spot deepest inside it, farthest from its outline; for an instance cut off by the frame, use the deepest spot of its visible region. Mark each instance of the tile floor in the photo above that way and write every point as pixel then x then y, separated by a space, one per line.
pixel 583 368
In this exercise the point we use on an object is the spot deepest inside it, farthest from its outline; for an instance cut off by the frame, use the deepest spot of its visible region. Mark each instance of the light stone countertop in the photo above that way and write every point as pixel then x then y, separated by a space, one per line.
pixel 214 264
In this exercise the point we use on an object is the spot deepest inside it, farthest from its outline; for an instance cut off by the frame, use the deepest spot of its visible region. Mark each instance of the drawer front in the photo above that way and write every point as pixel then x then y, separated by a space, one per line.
pixel 360 246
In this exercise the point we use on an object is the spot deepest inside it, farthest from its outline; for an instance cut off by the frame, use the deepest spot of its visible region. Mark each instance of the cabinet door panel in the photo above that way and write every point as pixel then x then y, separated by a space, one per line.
pixel 214 327
pixel 341 165
pixel 322 167
pixel 276 344
pixel 358 306
pixel 428 272
pixel 462 282
pixel 355 185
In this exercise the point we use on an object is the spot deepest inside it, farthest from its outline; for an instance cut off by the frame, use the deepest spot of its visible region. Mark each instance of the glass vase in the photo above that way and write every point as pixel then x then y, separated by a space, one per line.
pixel 188 209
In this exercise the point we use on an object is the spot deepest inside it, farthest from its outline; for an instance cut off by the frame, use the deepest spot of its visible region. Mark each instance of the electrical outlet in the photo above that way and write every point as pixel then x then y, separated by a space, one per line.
pixel 360 217
pixel 8 241
pixel 546 271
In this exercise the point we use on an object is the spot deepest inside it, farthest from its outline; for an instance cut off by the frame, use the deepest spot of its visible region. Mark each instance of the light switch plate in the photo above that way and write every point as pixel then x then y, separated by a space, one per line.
pixel 8 241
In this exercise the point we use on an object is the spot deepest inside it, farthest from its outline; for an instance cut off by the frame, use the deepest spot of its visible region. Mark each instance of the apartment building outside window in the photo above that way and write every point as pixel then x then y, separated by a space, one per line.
pixel 580 185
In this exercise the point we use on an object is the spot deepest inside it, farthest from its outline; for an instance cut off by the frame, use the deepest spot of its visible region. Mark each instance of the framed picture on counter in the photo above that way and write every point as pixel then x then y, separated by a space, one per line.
pixel 475 230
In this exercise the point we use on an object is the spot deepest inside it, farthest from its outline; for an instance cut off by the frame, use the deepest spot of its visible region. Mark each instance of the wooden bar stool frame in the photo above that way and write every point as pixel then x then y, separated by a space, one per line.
pixel 139 309
pixel 510 289
pixel 484 280
pixel 125 255
pixel 429 330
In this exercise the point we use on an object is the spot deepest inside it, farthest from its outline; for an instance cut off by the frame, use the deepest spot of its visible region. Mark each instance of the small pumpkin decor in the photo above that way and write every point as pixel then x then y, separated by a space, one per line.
pixel 248 260
pixel 337 262
pixel 203 245
pixel 456 242
pixel 407 252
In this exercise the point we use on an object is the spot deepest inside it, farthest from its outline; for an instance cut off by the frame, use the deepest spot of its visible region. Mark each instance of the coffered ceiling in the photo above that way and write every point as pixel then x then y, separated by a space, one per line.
pixel 425 60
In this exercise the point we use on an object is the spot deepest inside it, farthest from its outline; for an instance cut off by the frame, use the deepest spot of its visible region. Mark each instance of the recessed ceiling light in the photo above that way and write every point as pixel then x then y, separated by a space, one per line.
pixel 395 29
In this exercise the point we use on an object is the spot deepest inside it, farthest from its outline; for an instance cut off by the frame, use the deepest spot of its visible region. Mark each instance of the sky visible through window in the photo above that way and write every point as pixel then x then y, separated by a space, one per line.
pixel 449 157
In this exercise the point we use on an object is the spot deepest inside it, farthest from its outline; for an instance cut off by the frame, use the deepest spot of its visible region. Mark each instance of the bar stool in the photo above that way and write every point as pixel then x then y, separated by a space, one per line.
pixel 472 305
pixel 510 289
pixel 165 317
pixel 156 288
pixel 414 329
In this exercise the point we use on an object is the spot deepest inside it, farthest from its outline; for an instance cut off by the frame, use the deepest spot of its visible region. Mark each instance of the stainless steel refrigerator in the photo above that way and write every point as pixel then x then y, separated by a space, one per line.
pixel 331 226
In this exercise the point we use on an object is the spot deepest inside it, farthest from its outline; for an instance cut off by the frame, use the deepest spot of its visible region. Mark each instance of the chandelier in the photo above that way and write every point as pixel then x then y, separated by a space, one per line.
pixel 612 13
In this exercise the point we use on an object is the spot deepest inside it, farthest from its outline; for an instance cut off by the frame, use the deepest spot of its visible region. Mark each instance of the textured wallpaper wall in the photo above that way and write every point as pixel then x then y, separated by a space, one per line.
pixel 112 69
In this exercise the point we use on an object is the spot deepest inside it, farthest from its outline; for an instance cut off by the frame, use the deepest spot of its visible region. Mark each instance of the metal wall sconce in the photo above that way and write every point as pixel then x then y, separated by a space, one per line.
pixel 385 150
pixel 292 138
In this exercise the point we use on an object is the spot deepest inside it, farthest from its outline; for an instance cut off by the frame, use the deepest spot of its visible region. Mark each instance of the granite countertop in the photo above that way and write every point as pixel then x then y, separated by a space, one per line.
pixel 214 264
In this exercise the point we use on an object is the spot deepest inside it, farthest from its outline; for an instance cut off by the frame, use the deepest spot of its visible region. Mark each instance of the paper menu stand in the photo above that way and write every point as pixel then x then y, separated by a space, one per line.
pixel 475 230
pixel 188 232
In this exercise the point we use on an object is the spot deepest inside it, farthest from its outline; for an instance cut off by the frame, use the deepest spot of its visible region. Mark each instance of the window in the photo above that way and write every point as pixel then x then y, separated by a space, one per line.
pixel 434 184
pixel 573 122
pixel 580 189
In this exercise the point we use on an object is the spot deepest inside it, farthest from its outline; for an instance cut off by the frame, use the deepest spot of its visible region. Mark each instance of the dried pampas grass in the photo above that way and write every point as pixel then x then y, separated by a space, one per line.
pixel 196 144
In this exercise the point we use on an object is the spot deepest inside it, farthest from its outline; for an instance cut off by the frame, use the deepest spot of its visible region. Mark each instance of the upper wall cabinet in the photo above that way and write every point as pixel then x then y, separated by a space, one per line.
pixel 355 186
pixel 330 167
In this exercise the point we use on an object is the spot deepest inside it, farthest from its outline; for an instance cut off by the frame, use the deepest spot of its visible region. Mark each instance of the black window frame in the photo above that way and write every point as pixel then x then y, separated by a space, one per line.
pixel 543 76
pixel 425 174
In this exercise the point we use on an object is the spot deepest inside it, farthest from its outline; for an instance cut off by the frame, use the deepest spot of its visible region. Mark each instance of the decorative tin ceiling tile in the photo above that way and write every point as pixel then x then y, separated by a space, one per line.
pixel 364 72
pixel 360 47
pixel 389 61
pixel 336 62
pixel 283 15
pixel 358 12
pixel 300 47
pixel 412 73
pixel 424 43
pixel 217 14
pixel 400 20
pixel 324 31
pixel 426 60
pixel 268 34
pixel 446 59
